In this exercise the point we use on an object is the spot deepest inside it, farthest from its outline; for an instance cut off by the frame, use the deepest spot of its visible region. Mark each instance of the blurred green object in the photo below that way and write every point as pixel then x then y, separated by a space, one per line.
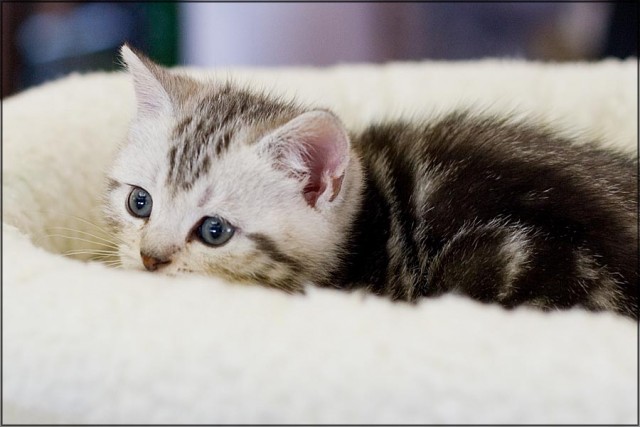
pixel 53 39
pixel 162 34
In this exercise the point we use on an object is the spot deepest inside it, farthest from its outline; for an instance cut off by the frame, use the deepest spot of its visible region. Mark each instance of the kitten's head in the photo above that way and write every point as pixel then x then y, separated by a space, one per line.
pixel 219 180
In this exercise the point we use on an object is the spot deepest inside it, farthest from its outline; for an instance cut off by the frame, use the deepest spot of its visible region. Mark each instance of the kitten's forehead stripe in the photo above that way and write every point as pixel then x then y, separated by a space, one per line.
pixel 207 129
pixel 222 142
pixel 172 160
pixel 181 127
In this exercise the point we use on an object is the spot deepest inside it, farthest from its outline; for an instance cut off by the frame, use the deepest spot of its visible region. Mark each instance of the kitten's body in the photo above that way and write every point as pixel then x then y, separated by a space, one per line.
pixel 500 211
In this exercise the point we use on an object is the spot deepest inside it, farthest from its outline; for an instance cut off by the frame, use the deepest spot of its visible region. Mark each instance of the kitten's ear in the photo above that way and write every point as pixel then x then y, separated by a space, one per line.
pixel 313 147
pixel 151 96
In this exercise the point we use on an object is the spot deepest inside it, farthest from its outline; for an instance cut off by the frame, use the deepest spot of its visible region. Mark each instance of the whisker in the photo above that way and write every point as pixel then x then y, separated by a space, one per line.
pixel 109 264
pixel 90 252
pixel 82 240
pixel 109 259
pixel 93 224
pixel 107 256
pixel 107 232
pixel 112 263
pixel 85 233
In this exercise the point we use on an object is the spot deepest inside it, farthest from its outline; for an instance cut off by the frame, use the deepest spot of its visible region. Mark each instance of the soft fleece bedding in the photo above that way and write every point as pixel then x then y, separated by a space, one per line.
pixel 84 343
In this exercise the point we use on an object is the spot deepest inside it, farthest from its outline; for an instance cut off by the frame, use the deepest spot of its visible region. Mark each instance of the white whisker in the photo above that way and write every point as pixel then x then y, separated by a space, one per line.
pixel 83 240
pixel 86 221
pixel 85 233
pixel 90 252
pixel 111 263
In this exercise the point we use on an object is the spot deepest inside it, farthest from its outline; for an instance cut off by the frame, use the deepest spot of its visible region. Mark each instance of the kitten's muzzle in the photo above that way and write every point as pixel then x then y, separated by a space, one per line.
pixel 152 263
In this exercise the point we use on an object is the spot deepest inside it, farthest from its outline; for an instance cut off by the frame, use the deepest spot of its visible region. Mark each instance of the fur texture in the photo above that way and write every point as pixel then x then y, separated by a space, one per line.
pixel 244 157
pixel 498 210
pixel 88 344
pixel 501 211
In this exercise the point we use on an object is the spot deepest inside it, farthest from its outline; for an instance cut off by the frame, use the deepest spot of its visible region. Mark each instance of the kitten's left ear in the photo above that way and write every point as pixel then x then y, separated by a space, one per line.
pixel 158 91
pixel 313 147
pixel 151 97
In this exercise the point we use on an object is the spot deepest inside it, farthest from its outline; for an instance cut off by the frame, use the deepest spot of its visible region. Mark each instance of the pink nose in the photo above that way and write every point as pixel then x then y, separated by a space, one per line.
pixel 152 263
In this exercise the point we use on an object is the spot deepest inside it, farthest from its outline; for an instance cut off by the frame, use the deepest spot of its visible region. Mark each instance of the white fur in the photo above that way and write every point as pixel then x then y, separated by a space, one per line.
pixel 515 250
pixel 151 98
pixel 86 344
pixel 295 139
pixel 243 188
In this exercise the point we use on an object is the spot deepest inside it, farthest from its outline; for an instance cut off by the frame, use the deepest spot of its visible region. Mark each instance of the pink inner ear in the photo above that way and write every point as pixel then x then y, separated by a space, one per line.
pixel 315 159
pixel 325 156
pixel 318 140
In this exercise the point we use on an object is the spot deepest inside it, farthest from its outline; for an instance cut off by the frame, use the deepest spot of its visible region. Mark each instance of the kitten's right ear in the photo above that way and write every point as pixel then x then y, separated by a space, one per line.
pixel 151 97
pixel 313 147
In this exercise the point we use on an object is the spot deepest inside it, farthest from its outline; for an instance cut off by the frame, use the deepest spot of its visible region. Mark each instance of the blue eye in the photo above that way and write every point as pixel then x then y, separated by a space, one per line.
pixel 215 231
pixel 139 203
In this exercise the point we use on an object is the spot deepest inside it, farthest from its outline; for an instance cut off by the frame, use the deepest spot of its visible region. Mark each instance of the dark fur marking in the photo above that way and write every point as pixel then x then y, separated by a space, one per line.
pixel 112 185
pixel 182 126
pixel 222 142
pixel 172 161
pixel 267 246
pixel 492 170
pixel 366 260
pixel 207 132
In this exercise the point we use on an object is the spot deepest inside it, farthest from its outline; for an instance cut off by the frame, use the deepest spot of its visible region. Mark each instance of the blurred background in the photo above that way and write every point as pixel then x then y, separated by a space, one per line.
pixel 46 40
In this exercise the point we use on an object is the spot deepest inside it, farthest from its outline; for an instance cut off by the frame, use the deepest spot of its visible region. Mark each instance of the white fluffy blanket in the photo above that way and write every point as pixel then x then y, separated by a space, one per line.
pixel 83 343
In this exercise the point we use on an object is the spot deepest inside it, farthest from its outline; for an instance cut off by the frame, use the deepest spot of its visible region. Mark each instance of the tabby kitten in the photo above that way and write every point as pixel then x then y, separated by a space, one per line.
pixel 220 180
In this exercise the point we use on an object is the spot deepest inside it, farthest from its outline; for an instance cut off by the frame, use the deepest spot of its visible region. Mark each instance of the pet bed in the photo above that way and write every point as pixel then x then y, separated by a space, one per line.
pixel 86 343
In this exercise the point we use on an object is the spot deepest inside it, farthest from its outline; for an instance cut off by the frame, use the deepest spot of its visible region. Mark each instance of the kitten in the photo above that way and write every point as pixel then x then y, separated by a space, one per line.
pixel 219 180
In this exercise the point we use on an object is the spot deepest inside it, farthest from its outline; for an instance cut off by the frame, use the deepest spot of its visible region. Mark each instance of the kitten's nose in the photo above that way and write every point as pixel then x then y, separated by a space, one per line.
pixel 152 263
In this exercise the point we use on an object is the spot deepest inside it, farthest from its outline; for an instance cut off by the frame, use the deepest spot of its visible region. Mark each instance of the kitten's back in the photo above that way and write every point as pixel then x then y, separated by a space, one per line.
pixel 463 171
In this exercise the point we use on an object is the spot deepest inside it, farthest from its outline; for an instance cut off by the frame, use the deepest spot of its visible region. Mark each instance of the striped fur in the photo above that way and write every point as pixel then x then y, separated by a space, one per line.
pixel 508 213
pixel 501 211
